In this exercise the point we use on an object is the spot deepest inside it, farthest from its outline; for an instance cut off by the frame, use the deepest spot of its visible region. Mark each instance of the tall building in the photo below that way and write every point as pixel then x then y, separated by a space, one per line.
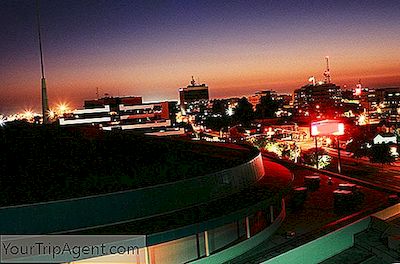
pixel 192 93
pixel 321 99
pixel 318 100
pixel 123 113
pixel 389 96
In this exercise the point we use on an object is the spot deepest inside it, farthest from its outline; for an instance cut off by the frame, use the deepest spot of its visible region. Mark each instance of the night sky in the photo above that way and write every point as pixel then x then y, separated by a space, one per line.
pixel 151 48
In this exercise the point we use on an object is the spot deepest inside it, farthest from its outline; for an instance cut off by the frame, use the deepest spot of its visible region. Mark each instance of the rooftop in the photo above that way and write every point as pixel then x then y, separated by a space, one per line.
pixel 40 164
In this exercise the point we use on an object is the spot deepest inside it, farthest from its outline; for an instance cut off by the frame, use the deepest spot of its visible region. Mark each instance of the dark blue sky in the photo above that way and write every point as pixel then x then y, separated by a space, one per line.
pixel 150 48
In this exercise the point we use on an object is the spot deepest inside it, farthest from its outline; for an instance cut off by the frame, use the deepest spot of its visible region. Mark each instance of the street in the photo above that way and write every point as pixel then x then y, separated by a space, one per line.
pixel 385 176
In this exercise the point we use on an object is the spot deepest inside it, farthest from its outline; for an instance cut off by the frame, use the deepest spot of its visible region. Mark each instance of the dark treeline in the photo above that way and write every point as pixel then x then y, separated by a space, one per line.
pixel 48 163
pixel 243 114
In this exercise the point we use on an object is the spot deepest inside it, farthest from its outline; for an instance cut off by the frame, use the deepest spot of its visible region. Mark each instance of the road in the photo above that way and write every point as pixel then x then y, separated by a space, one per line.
pixel 386 176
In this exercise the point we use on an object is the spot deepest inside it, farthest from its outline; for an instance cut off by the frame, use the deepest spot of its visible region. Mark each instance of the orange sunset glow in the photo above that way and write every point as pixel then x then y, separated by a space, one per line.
pixel 233 56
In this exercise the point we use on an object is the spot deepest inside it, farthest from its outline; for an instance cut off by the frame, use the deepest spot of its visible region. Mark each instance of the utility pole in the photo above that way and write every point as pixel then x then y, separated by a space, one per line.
pixel 339 165
pixel 45 104
pixel 316 152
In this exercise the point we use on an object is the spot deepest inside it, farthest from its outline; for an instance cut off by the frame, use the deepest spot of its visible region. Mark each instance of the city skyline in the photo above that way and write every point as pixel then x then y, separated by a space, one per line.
pixel 152 49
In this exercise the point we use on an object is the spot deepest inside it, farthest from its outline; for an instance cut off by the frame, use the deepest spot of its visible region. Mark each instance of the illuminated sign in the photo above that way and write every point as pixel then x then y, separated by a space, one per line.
pixel 327 128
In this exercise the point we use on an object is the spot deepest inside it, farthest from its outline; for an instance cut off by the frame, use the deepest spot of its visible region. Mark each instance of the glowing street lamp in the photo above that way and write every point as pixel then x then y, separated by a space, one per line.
pixel 362 120
pixel 2 121
pixel 229 111
pixel 62 108
pixel 28 114
pixel 51 114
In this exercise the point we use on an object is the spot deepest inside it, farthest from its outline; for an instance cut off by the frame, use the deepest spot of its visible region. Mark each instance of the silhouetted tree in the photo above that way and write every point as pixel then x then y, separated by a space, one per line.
pixel 267 107
pixel 357 147
pixel 216 123
pixel 380 153
pixel 219 107
pixel 244 112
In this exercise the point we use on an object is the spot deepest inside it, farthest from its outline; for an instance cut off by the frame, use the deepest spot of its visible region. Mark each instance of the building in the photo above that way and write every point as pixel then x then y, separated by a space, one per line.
pixel 385 138
pixel 100 115
pixel 388 100
pixel 113 102
pixel 368 98
pixel 123 113
pixel 285 105
pixel 196 236
pixel 318 100
pixel 192 93
pixel 149 115
pixel 321 99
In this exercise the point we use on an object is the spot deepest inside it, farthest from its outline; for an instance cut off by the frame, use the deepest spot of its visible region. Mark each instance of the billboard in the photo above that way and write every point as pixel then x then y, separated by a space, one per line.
pixel 327 128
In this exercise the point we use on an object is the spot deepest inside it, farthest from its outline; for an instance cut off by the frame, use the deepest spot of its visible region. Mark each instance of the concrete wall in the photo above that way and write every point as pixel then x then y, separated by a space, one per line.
pixel 244 246
pixel 189 248
pixel 388 212
pixel 184 250
pixel 176 251
pixel 324 247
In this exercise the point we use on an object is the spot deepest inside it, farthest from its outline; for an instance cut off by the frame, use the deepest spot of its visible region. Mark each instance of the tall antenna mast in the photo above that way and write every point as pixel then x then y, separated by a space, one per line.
pixel 327 72
pixel 45 104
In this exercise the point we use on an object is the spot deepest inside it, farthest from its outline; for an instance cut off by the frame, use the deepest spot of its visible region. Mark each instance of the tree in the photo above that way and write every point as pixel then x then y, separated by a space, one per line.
pixel 357 147
pixel 380 153
pixel 216 123
pixel 219 107
pixel 397 133
pixel 267 107
pixel 219 118
pixel 359 137
pixel 244 112
pixel 308 157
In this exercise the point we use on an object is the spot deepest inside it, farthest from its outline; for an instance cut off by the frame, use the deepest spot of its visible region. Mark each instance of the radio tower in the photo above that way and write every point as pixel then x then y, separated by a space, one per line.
pixel 45 105
pixel 327 74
